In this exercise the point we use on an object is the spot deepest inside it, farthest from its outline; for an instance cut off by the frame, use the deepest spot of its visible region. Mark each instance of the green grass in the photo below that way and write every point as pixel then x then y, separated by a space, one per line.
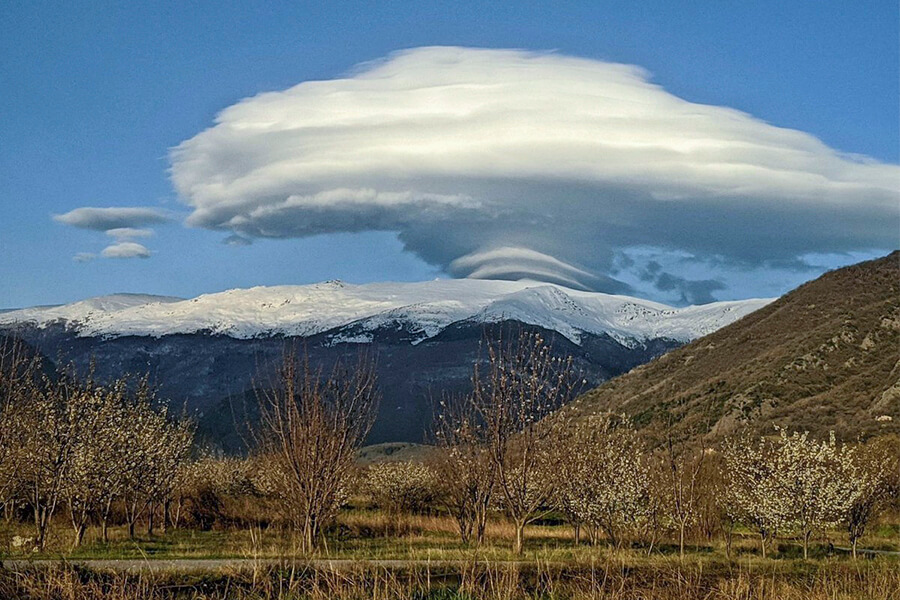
pixel 366 534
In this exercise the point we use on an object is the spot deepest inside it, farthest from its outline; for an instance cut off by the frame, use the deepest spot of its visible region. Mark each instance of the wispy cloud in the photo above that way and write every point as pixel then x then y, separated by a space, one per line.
pixel 83 257
pixel 237 240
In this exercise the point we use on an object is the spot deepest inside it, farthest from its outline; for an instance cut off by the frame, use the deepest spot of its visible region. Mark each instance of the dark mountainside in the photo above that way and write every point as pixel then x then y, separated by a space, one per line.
pixel 213 376
pixel 825 356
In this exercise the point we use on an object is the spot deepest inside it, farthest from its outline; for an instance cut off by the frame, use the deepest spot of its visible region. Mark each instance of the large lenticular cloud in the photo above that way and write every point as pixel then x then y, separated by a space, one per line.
pixel 510 164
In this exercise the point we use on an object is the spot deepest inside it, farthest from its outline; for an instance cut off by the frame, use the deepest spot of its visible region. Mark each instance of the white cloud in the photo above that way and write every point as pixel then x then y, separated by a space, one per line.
pixel 122 223
pixel 129 233
pixel 125 250
pixel 511 262
pixel 114 217
pixel 508 163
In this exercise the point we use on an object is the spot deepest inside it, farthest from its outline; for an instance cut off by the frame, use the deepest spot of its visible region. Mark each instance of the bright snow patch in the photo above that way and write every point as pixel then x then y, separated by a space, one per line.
pixel 424 308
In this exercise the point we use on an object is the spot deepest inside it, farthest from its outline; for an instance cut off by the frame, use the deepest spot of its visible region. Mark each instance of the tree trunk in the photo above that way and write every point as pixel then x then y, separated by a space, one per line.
pixel 681 541
pixel 165 519
pixel 577 527
pixel 79 535
pixel 480 526
pixel 853 546
pixel 150 519
pixel 729 538
pixel 37 519
pixel 519 546
pixel 806 544
pixel 79 524
pixel 178 506
pixel 41 521
pixel 464 526
pixel 132 513
pixel 762 543
pixel 104 521
pixel 309 536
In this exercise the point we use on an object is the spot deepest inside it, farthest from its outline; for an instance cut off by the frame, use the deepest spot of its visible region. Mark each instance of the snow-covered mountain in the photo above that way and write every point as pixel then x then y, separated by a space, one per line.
pixel 355 312
pixel 208 353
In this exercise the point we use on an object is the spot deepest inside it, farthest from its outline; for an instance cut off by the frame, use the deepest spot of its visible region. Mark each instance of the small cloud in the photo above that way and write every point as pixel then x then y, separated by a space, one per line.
pixel 692 291
pixel 128 233
pixel 122 223
pixel 237 240
pixel 111 218
pixel 125 250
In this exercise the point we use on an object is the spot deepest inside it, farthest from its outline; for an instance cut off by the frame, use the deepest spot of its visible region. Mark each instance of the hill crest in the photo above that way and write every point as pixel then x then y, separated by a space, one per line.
pixel 825 356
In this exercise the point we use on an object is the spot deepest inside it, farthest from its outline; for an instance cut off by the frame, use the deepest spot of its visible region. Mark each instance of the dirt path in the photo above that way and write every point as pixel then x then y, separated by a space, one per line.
pixel 216 564
pixel 863 551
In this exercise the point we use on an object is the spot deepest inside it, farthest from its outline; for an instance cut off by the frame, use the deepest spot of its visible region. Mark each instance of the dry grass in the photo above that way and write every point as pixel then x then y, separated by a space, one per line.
pixel 613 580
pixel 553 568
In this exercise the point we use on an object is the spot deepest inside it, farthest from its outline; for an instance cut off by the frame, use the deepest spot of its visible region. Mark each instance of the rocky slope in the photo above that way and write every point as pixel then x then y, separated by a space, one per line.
pixel 824 357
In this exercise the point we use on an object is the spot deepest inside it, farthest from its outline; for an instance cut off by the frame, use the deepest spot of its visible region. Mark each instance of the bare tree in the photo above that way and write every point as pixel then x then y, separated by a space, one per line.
pixel 465 471
pixel 310 429
pixel 523 383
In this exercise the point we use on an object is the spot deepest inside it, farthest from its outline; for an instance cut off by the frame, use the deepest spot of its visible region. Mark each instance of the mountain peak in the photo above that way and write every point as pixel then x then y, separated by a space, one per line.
pixel 424 307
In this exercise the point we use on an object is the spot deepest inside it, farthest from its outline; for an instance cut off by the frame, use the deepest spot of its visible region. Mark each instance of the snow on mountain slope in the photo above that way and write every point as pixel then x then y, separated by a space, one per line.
pixel 424 308
pixel 82 312
pixel 623 318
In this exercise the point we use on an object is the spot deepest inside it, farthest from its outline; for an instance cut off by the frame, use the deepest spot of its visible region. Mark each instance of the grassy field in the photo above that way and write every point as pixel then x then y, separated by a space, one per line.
pixel 440 567
pixel 373 534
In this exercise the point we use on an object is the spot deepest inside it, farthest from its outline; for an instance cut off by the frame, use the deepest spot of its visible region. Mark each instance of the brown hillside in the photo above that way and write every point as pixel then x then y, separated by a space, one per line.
pixel 825 356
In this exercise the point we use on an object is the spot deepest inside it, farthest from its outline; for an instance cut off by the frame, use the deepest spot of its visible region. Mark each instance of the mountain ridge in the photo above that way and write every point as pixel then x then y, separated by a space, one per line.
pixel 207 352
pixel 424 307
pixel 823 357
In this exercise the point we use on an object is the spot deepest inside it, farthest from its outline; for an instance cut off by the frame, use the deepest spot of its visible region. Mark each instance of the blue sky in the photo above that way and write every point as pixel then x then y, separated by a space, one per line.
pixel 93 96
